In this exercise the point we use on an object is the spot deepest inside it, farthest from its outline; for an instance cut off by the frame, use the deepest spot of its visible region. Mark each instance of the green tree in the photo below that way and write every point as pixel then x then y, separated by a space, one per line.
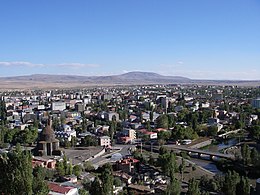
pixel 60 168
pixel 96 188
pixel 173 188
pixel 88 166
pixel 246 154
pixel 230 182
pixel 39 185
pixel 77 169
pixel 243 187
pixel 193 188
pixel 73 141
pixel 182 168
pixel 2 112
pixel 212 130
pixel 117 182
pixel 162 121
pixel 168 164
pixel 83 192
pixel 255 158
pixel 16 172
pixel 107 179
pixel 89 141
pixel 255 132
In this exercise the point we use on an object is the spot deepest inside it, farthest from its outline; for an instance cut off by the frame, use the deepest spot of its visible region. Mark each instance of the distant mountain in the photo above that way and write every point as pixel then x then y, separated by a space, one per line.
pixel 127 78
pixel 139 78
pixel 38 81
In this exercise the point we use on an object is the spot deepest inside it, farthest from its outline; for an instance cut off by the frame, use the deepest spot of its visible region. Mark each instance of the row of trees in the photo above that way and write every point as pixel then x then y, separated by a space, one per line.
pixel 18 176
pixel 14 136
pixel 103 184
pixel 230 184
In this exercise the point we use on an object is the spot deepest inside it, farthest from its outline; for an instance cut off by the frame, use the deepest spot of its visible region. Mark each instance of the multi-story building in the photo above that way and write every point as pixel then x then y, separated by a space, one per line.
pixel 58 106
pixel 105 141
pixel 256 102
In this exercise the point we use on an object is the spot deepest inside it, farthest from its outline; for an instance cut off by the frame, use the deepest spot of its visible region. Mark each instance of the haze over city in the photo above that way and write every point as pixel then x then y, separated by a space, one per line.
pixel 195 39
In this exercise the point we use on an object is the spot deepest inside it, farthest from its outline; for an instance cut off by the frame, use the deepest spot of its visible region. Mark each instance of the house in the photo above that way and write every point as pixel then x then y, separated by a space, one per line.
pixel 126 136
pixel 213 121
pixel 105 141
pixel 67 133
pixel 150 134
pixel 126 178
pixel 46 163
pixel 127 165
pixel 109 116
pixel 140 189
pixel 60 106
pixel 58 189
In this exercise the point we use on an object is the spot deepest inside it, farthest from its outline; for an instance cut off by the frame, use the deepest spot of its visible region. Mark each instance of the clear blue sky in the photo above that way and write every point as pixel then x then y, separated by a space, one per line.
pixel 207 39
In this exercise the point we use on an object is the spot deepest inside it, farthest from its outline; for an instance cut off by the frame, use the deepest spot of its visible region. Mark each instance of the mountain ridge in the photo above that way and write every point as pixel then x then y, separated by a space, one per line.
pixel 42 81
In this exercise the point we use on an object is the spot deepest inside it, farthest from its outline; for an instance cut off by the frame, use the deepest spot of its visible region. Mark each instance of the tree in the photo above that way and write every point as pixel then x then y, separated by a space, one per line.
pixel 77 169
pixel 73 141
pixel 255 132
pixel 173 188
pixel 243 187
pixel 39 185
pixel 107 179
pixel 88 166
pixel 117 182
pixel 171 120
pixel 168 164
pixel 162 121
pixel 2 112
pixel 212 130
pixel 83 192
pixel 95 187
pixel 230 182
pixel 64 167
pixel 30 135
pixel 16 172
pixel 60 168
pixel 255 158
pixel 245 152
pixel 193 188
pixel 164 135
pixel 88 141
pixel 182 167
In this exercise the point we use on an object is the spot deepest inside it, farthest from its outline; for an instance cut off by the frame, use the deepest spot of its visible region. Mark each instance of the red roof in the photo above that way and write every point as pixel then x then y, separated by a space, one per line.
pixel 128 161
pixel 161 129
pixel 59 189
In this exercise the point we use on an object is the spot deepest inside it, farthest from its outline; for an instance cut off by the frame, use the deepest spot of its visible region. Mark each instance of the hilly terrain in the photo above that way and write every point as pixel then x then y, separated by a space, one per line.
pixel 45 80
pixel 39 81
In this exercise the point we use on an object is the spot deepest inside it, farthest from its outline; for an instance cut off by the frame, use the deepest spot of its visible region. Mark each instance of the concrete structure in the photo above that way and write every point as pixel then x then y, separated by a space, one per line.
pixel 131 133
pixel 105 141
pixel 47 144
pixel 256 103
pixel 127 165
pixel 50 164
pixel 111 116
pixel 79 107
pixel 200 152
pixel 58 106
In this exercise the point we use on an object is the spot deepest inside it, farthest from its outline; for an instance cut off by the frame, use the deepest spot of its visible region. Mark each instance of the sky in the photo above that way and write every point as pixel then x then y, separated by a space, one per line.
pixel 199 39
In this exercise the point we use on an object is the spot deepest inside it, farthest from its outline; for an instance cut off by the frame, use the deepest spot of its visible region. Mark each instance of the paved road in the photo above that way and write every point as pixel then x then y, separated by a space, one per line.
pixel 217 154
pixel 124 150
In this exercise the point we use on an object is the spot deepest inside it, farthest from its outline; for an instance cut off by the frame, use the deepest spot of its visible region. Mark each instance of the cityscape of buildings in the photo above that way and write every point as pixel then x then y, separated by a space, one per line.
pixel 128 127
pixel 129 97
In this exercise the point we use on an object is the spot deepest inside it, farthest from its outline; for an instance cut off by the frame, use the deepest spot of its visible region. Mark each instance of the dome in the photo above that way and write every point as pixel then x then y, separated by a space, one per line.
pixel 47 134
